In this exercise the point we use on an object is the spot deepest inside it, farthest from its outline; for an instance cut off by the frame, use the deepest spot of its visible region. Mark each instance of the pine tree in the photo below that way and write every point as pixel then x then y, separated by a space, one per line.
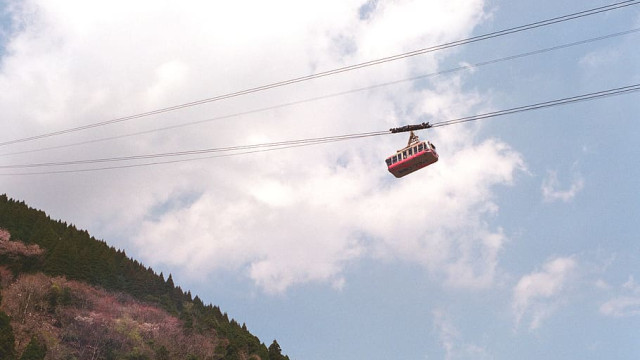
pixel 275 353
pixel 34 351
pixel 7 340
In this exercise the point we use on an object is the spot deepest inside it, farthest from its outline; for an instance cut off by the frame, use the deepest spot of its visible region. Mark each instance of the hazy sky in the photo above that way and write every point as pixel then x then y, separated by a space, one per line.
pixel 521 242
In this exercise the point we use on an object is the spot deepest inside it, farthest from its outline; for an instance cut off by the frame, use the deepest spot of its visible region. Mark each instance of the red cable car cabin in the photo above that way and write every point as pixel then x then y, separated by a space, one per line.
pixel 415 156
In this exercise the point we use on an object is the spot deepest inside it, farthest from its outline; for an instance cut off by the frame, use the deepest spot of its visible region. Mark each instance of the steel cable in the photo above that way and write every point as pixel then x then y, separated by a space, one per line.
pixel 422 51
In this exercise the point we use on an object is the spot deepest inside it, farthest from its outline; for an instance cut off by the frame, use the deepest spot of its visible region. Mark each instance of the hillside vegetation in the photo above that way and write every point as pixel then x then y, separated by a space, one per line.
pixel 66 295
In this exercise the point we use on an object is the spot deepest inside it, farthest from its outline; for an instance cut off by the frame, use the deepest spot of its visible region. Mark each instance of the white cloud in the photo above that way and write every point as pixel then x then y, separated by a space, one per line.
pixel 626 304
pixel 621 306
pixel 452 341
pixel 550 186
pixel 280 218
pixel 599 60
pixel 288 231
pixel 538 294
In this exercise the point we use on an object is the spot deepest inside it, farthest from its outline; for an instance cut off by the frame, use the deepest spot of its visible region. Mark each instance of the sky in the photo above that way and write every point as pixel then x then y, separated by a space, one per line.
pixel 521 241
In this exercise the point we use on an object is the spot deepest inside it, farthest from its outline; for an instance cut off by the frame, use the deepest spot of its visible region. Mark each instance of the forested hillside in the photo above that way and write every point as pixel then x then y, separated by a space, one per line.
pixel 66 295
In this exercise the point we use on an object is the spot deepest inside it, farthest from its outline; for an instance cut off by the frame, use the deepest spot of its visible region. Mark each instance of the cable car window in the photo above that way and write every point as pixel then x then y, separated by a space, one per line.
pixel 415 149
pixel 404 154
pixel 410 151
pixel 388 161
pixel 395 158
pixel 420 147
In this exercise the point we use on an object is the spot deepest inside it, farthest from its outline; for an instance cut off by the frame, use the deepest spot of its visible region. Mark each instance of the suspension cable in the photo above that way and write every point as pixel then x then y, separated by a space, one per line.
pixel 422 51
pixel 255 148
pixel 542 105
pixel 323 97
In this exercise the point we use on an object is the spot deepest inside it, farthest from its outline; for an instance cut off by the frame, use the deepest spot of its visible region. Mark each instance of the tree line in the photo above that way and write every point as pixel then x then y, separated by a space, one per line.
pixel 76 255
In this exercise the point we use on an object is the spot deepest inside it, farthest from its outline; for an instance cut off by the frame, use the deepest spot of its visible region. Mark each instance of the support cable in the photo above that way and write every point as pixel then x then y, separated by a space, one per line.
pixel 323 97
pixel 405 55
pixel 255 148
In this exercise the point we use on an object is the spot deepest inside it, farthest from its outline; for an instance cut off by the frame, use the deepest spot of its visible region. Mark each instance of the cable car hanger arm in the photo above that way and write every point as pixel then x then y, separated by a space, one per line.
pixel 410 128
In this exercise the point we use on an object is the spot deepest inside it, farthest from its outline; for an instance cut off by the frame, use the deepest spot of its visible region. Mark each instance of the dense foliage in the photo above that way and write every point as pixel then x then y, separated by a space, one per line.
pixel 7 340
pixel 35 350
pixel 58 249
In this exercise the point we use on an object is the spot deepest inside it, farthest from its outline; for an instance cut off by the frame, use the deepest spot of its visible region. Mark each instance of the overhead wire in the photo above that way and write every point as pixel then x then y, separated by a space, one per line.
pixel 267 148
pixel 199 151
pixel 342 93
pixel 564 101
pixel 405 55
pixel 254 148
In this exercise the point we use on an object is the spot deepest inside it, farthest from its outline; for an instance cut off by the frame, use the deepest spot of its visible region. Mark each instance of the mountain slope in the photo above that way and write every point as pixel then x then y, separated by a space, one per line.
pixel 84 299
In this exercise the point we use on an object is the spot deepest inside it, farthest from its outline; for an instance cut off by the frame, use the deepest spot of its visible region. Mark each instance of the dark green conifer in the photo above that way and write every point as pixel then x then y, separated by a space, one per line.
pixel 275 353
pixel 35 350
pixel 7 340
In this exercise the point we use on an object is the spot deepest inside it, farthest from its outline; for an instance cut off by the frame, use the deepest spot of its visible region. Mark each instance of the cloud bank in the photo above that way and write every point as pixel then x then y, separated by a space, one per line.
pixel 280 218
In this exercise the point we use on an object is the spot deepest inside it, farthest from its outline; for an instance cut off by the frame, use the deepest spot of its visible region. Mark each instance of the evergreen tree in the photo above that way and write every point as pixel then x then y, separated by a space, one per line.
pixel 34 351
pixel 162 353
pixel 7 340
pixel 275 353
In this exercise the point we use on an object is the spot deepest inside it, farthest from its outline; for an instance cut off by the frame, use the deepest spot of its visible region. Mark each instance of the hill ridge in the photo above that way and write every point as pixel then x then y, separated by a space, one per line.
pixel 31 243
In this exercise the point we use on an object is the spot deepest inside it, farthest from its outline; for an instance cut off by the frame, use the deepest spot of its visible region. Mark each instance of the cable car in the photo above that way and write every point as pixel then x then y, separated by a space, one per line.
pixel 416 155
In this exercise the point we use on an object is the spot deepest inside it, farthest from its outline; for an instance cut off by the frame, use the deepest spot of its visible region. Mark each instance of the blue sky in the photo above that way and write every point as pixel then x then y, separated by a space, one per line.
pixel 522 241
